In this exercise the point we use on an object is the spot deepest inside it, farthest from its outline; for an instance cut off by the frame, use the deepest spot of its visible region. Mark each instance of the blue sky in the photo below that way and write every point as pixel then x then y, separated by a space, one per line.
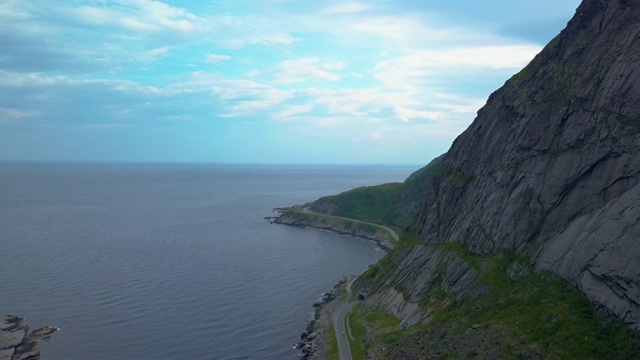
pixel 256 81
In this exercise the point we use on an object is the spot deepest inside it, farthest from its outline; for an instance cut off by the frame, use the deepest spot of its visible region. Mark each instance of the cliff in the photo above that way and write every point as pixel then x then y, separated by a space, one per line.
pixel 548 172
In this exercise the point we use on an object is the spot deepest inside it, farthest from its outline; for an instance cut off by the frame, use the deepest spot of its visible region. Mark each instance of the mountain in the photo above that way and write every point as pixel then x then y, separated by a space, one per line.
pixel 544 184
pixel 393 204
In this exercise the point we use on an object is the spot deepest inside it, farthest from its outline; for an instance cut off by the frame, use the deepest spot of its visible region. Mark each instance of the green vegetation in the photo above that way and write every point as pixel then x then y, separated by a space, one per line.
pixel 342 290
pixel 302 217
pixel 460 177
pixel 356 340
pixel 333 352
pixel 380 272
pixel 393 204
pixel 518 78
pixel 364 319
pixel 371 203
pixel 526 313
pixel 537 311
pixel 381 320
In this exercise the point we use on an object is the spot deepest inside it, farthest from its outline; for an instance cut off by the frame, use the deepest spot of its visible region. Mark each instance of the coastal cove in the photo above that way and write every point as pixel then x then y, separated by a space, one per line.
pixel 171 261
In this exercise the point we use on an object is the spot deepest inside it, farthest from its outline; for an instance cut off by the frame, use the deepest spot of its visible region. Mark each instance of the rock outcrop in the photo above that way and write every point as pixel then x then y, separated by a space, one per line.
pixel 18 342
pixel 549 171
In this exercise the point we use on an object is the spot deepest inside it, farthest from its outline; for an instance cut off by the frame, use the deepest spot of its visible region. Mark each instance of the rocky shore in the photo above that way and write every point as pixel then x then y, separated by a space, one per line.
pixel 18 341
pixel 382 241
pixel 313 341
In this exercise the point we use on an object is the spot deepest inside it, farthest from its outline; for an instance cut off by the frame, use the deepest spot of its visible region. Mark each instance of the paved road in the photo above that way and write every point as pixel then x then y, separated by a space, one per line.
pixel 342 332
pixel 341 326
pixel 389 230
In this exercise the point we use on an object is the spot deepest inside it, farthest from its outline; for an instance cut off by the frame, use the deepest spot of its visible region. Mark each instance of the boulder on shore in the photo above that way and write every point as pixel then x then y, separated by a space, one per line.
pixel 18 342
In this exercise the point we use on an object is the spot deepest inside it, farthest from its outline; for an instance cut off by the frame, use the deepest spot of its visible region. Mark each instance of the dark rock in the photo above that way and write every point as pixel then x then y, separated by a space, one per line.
pixel 17 342
pixel 553 159
pixel 549 170
pixel 516 271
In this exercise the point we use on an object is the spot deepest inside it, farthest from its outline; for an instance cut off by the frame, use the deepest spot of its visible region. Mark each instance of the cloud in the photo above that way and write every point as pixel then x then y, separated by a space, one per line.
pixel 9 115
pixel 359 72
pixel 60 101
pixel 136 15
pixel 294 111
pixel 305 69
pixel 237 96
pixel 244 31
pixel 376 136
pixel 347 8
pixel 405 32
pixel 105 127
pixel 408 114
pixel 416 69
pixel 156 53
pixel 338 65
pixel 216 58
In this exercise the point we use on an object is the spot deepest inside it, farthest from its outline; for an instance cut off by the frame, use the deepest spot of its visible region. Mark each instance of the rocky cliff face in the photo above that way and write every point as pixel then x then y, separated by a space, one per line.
pixel 549 170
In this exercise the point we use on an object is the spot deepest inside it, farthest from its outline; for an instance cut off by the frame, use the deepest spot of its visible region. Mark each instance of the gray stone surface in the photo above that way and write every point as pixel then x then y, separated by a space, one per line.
pixel 6 354
pixel 11 339
pixel 17 342
pixel 550 168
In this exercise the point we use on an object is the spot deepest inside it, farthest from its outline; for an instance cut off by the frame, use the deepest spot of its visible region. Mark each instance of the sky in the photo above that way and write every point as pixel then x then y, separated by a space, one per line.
pixel 256 81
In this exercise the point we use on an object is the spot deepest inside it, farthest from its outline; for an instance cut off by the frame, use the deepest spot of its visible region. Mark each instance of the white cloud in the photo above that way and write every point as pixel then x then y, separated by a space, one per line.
pixel 105 127
pixel 347 8
pixel 156 53
pixel 301 70
pixel 376 136
pixel 408 114
pixel 406 32
pixel 398 78
pixel 137 15
pixel 159 51
pixel 12 114
pixel 413 70
pixel 338 65
pixel 293 111
pixel 31 80
pixel 239 96
pixel 216 58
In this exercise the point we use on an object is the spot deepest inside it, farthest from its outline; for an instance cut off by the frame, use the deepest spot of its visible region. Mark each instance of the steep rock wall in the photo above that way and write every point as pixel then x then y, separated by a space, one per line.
pixel 550 167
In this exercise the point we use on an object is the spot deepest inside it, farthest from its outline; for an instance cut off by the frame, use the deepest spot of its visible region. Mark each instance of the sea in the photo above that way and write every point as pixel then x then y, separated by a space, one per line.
pixel 171 261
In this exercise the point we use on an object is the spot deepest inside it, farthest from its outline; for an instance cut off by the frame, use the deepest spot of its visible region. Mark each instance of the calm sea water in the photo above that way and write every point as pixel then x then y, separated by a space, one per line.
pixel 170 261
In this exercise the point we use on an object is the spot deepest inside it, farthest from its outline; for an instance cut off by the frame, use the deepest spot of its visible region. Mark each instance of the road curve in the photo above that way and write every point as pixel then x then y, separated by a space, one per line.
pixel 389 230
pixel 341 325
pixel 342 332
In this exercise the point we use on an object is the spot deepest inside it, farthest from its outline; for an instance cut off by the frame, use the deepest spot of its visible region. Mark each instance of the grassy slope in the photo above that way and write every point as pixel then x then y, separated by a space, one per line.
pixel 357 345
pixel 393 204
pixel 299 216
pixel 534 313
pixel 333 352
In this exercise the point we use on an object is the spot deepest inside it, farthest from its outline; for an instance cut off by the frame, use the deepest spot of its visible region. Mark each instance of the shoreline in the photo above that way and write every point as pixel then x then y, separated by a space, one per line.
pixel 313 344
pixel 384 246
pixel 314 340
pixel 18 341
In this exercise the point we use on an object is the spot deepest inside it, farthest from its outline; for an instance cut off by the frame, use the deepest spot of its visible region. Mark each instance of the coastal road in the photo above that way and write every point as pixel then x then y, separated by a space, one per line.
pixel 389 230
pixel 340 325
